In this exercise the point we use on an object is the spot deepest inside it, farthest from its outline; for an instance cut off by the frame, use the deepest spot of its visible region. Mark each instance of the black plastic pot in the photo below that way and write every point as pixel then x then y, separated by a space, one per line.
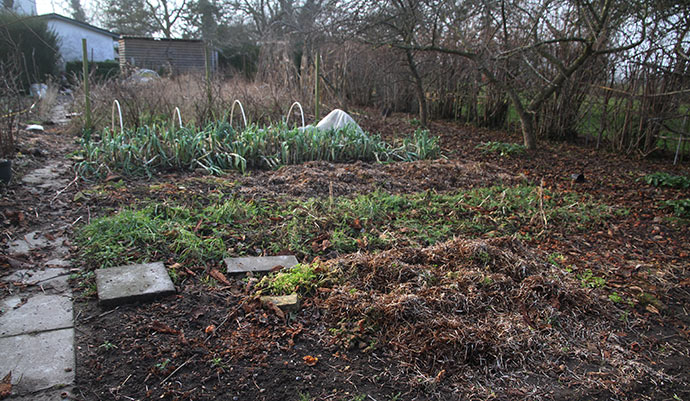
pixel 5 171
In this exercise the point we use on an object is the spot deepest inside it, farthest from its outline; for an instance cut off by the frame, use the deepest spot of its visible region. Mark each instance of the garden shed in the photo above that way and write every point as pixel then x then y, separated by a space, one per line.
pixel 172 55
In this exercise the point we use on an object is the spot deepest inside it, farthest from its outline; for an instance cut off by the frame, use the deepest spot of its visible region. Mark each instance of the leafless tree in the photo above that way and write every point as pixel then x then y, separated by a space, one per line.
pixel 517 45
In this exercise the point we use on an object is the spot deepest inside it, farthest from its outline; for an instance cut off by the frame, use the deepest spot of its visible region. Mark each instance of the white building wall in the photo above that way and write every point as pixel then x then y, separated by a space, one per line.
pixel 100 47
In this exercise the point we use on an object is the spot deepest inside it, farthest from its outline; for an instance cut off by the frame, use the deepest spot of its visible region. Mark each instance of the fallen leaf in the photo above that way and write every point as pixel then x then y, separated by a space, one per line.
pixel 310 360
pixel 219 276
pixel 277 310
pixel 6 386
pixel 78 196
pixel 210 329
pixel 652 309
pixel 112 177
pixel 162 328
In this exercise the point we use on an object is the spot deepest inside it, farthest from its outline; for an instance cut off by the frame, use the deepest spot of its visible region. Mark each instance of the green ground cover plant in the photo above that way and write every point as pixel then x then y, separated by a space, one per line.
pixel 661 179
pixel 502 148
pixel 303 278
pixel 205 230
pixel 681 207
pixel 218 147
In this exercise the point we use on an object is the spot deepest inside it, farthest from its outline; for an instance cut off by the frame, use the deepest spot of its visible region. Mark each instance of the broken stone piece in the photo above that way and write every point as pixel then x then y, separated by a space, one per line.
pixel 286 303
pixel 259 263
pixel 133 283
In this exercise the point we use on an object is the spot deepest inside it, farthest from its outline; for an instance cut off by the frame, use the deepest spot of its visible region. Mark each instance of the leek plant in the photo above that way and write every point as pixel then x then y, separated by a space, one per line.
pixel 219 147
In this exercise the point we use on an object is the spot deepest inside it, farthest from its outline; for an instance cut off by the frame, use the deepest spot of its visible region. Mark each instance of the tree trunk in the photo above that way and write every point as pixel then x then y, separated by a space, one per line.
pixel 528 134
pixel 419 88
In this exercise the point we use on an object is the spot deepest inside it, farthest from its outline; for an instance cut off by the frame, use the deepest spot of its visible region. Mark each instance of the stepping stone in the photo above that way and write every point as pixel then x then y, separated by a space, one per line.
pixel 132 283
pixel 59 262
pixel 29 242
pixel 287 303
pixel 259 263
pixel 48 278
pixel 38 361
pixel 61 394
pixel 39 313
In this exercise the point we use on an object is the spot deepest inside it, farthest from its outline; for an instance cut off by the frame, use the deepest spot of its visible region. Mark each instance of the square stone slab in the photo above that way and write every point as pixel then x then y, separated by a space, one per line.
pixel 38 361
pixel 123 284
pixel 38 313
pixel 259 263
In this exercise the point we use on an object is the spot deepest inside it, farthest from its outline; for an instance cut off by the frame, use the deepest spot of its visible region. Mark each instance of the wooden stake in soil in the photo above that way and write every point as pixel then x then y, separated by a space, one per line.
pixel 87 97
pixel 316 86
pixel 207 66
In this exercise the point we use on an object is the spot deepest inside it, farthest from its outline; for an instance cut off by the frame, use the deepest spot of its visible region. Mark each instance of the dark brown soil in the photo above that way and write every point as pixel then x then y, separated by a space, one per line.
pixel 408 324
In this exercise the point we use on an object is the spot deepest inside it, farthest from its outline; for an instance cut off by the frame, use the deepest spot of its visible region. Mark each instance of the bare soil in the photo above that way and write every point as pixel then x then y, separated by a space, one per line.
pixel 464 319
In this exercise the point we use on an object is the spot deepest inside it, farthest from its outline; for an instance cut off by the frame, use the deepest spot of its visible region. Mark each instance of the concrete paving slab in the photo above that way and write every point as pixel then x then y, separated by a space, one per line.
pixel 29 242
pixel 123 284
pixel 59 262
pixel 61 394
pixel 38 361
pixel 46 177
pixel 48 278
pixel 259 263
pixel 39 313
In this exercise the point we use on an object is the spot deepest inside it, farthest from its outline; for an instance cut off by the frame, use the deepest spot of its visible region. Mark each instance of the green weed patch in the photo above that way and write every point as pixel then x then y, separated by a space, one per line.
pixel 661 179
pixel 225 226
pixel 681 207
pixel 218 148
pixel 502 148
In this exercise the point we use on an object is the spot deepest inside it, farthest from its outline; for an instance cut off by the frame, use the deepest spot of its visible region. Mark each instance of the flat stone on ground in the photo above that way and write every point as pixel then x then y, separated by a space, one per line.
pixel 29 242
pixel 38 313
pixel 287 303
pixel 259 263
pixel 38 361
pixel 48 278
pixel 123 284
pixel 61 394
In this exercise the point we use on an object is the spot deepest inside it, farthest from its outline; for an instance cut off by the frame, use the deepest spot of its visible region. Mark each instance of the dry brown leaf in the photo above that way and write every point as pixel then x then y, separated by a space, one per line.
pixel 162 328
pixel 219 276
pixel 112 177
pixel 275 309
pixel 6 386
pixel 652 309
pixel 310 360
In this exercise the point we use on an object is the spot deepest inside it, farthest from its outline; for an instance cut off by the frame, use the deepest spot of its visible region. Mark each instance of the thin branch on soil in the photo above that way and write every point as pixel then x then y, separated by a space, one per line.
pixel 76 177
pixel 176 370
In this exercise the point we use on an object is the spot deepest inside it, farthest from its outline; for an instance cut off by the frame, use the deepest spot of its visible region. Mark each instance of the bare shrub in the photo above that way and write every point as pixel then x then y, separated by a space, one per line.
pixel 11 105
pixel 44 105
pixel 155 101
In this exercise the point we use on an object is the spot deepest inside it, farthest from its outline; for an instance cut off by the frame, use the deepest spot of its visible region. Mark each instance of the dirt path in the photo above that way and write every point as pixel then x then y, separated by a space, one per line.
pixel 36 314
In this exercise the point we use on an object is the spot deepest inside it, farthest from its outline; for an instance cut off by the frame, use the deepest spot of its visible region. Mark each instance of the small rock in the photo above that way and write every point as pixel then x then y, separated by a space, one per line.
pixel 578 177
pixel 34 127
pixel 286 303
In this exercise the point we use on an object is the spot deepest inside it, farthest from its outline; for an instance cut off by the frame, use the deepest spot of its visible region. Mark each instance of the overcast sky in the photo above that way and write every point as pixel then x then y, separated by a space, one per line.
pixel 59 6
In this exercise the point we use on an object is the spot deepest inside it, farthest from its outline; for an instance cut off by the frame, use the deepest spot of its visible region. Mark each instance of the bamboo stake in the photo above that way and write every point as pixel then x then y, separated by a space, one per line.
pixel 316 87
pixel 87 94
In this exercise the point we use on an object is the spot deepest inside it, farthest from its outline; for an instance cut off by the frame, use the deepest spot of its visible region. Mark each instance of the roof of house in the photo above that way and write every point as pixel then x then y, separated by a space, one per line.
pixel 160 39
pixel 79 24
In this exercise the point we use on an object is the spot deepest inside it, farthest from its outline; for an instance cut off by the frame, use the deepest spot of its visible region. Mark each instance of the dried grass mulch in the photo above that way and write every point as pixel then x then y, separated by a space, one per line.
pixel 483 315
